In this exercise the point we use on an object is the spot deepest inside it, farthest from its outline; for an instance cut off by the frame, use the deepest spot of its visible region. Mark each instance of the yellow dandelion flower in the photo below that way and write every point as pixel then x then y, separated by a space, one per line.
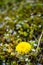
pixel 23 47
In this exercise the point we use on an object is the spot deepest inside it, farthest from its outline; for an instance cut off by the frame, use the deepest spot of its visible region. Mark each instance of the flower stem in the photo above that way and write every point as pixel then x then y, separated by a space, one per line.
pixel 39 41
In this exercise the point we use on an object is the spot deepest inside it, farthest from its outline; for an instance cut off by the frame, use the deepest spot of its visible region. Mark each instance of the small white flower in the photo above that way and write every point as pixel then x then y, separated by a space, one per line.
pixel 6 34
pixel 17 36
pixel 26 59
pixel 25 20
pixel 35 44
pixel 3 60
pixel 39 15
pixel 21 58
pixel 15 20
pixel 10 31
pixel 17 16
pixel 6 29
pixel 4 49
pixel 0 44
pixel 18 25
pixel 6 45
pixel 32 16
pixel 33 50
pixel 14 33
pixel 39 26
pixel 7 18
pixel 1 25
pixel 26 64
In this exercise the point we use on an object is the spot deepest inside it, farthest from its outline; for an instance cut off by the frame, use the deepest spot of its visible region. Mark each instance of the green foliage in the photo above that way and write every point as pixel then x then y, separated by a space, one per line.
pixel 20 21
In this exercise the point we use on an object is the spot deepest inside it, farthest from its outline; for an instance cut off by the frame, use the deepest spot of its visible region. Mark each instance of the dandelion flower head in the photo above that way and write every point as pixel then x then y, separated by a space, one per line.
pixel 23 47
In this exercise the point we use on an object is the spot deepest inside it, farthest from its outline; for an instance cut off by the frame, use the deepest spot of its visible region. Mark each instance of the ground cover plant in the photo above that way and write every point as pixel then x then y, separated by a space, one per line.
pixel 21 32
